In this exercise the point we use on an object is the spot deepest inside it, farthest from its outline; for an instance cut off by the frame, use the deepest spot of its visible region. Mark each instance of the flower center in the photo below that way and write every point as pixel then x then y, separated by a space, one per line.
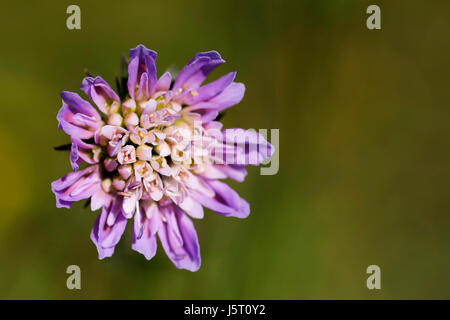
pixel 149 148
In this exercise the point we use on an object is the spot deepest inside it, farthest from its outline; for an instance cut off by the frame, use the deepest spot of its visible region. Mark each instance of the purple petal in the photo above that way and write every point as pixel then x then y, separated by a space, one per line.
pixel 142 61
pixel 226 201
pixel 100 199
pixel 229 97
pixel 242 147
pixel 71 125
pixel 141 51
pixel 82 144
pixel 77 117
pixel 179 239
pixel 79 105
pixel 192 207
pixel 212 172
pixel 99 91
pixel 102 252
pixel 105 236
pixel 209 90
pixel 76 186
pixel 164 81
pixel 81 152
pixel 74 157
pixel 196 71
pixel 235 172
pixel 213 125
pixel 129 205
pixel 144 231
pixel 143 90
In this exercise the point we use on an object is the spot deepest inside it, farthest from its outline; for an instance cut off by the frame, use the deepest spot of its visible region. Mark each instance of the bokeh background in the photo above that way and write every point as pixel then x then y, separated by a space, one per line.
pixel 364 148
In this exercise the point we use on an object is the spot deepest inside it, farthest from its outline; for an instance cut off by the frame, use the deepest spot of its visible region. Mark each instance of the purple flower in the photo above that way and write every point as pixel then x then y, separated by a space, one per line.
pixel 156 156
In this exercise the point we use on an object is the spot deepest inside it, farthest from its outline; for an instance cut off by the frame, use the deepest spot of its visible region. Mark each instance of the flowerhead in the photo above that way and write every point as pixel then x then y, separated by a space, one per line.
pixel 155 156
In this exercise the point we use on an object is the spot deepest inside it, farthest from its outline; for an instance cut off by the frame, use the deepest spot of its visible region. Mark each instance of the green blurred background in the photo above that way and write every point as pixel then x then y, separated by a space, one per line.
pixel 364 148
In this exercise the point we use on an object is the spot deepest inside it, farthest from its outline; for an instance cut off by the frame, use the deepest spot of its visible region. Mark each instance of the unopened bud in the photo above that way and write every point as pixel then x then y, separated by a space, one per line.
pixel 144 152
pixel 110 164
pixel 106 185
pixel 128 105
pixel 115 119
pixel 131 119
pixel 125 171
pixel 118 184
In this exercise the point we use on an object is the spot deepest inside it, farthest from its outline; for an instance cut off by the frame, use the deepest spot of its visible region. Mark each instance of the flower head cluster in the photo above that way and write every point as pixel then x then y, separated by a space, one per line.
pixel 156 155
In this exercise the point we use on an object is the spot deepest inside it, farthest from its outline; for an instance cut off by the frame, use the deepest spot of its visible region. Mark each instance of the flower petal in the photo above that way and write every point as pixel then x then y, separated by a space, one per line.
pixel 164 82
pixel 129 205
pixel 99 91
pixel 142 61
pixel 209 91
pixel 242 147
pixel 196 71
pixel 229 97
pixel 179 239
pixel 192 207
pixel 79 152
pixel 79 105
pixel 77 117
pixel 100 199
pixel 74 157
pixel 76 186
pixel 104 236
pixel 72 125
pixel 225 202
pixel 144 229
pixel 233 171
